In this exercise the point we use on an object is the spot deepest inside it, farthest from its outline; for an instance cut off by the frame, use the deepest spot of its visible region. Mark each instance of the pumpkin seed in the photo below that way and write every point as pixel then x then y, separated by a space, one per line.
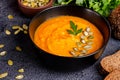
pixel 10 62
pixel 81 54
pixel 25 3
pixel 83 41
pixel 21 70
pixel 25 27
pixel 15 27
pixel 72 53
pixel 3 75
pixel 20 76
pixel 3 53
pixel 88 29
pixel 83 51
pixel 25 32
pixel 90 33
pixel 85 33
pixel 18 48
pixel 75 49
pixel 1 45
pixel 34 3
pixel 17 31
pixel 82 37
pixel 88 47
pixel 90 37
pixel 7 32
pixel 10 16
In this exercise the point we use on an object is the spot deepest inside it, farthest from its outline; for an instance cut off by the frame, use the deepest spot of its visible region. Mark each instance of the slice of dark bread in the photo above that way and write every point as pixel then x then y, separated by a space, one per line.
pixel 114 75
pixel 111 62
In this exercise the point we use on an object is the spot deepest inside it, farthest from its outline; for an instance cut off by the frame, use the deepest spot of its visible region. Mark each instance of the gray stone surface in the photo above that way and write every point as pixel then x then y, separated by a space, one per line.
pixel 25 59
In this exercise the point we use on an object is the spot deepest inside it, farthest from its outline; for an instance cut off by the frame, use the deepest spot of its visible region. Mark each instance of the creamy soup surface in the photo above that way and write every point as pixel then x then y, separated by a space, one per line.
pixel 53 36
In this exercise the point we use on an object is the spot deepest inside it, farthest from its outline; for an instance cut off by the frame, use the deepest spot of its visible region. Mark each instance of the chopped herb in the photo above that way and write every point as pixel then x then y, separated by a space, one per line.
pixel 74 30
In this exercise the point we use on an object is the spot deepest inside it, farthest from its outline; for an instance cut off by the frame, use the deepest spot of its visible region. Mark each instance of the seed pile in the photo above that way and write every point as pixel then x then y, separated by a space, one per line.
pixel 84 44
pixel 34 3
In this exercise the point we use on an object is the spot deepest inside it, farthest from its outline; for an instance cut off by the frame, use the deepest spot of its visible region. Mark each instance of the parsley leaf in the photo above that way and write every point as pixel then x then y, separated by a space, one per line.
pixel 74 30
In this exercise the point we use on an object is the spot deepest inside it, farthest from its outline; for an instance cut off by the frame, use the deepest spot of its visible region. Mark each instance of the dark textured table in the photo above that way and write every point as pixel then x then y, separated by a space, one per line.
pixel 26 59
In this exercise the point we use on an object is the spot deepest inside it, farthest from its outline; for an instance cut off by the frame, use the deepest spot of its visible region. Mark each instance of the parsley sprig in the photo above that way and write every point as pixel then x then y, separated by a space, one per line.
pixel 74 30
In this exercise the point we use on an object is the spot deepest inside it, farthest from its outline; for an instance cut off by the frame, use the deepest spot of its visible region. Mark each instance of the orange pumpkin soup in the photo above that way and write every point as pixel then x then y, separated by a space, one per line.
pixel 68 36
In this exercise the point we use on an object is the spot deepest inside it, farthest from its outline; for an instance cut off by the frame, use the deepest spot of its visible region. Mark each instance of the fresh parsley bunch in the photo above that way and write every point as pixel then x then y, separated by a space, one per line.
pixel 103 7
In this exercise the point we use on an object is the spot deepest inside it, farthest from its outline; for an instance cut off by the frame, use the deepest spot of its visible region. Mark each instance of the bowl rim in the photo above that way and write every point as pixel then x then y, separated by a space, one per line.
pixel 90 10
pixel 50 3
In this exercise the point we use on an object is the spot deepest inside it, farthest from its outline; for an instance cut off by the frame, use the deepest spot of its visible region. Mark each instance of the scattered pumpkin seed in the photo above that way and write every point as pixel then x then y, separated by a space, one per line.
pixel 21 29
pixel 10 16
pixel 21 70
pixel 10 62
pixel 25 32
pixel 1 45
pixel 7 32
pixel 17 31
pixel 20 76
pixel 25 27
pixel 15 27
pixel 18 48
pixel 3 75
pixel 3 53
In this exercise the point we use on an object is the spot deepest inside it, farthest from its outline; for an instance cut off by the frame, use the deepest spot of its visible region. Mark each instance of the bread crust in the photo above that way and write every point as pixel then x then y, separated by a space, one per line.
pixel 114 75
pixel 111 62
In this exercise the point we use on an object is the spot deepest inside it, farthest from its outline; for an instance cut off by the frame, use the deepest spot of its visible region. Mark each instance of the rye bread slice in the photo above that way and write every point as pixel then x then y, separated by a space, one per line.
pixel 111 62
pixel 114 75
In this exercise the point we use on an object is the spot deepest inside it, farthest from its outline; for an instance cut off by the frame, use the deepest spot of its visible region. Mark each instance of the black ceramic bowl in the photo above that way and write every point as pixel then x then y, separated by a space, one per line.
pixel 70 62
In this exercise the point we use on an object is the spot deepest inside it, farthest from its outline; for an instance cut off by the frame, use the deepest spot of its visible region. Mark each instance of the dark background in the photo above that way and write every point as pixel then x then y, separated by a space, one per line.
pixel 34 69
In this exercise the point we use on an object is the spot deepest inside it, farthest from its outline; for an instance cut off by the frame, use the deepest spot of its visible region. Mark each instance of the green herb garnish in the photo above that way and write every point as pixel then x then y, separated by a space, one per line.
pixel 74 30
pixel 103 7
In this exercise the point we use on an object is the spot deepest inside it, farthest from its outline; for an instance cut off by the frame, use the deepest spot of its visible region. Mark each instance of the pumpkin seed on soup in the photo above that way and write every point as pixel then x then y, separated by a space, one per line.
pixel 88 29
pixel 75 49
